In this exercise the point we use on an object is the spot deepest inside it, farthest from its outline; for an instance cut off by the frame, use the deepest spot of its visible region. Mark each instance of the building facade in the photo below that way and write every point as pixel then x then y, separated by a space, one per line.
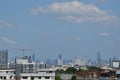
pixel 3 59
pixel 99 60
pixel 7 74
pixel 116 64
pixel 80 61
pixel 41 74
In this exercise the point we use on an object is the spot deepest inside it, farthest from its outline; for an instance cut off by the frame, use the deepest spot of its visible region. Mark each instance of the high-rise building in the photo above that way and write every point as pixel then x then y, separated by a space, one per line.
pixel 60 56
pixel 110 62
pixel 99 60
pixel 33 57
pixel 80 61
pixel 3 59
pixel 60 60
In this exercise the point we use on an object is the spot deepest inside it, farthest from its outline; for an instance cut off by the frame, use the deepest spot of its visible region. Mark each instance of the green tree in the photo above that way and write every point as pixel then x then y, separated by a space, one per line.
pixel 93 68
pixel 71 70
pixel 73 77
pixel 59 71
pixel 57 77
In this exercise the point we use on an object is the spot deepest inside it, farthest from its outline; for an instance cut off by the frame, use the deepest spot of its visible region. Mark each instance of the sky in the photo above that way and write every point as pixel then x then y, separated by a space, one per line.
pixel 72 28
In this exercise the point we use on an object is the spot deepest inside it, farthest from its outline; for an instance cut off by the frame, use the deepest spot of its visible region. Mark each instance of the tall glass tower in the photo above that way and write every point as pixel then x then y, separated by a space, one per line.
pixel 60 56
pixel 99 60
pixel 33 57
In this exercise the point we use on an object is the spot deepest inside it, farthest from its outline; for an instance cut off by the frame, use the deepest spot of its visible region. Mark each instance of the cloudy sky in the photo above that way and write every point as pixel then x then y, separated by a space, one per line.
pixel 68 27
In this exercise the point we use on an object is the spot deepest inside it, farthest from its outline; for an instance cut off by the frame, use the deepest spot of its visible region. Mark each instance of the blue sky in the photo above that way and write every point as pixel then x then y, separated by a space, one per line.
pixel 68 27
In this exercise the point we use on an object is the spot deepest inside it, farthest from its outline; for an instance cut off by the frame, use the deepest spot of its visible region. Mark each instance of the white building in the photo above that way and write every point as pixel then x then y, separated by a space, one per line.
pixel 41 74
pixel 66 76
pixel 7 75
pixel 21 61
pixel 116 64
pixel 59 62
pixel 29 67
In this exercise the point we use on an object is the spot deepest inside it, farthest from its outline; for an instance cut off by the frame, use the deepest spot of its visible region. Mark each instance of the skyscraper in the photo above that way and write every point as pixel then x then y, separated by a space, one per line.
pixel 110 62
pixel 99 60
pixel 59 61
pixel 33 57
pixel 60 56
pixel 3 59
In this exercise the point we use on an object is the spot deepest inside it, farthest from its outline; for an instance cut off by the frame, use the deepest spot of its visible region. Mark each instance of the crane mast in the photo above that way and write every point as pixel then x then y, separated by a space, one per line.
pixel 23 50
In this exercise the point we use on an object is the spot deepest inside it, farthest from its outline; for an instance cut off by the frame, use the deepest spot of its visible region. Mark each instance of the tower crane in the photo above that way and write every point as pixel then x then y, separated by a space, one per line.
pixel 22 49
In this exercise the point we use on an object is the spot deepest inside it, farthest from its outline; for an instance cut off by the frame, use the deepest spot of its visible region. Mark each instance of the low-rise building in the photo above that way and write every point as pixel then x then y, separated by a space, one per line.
pixel 118 74
pixel 66 76
pixel 41 74
pixel 116 64
pixel 7 74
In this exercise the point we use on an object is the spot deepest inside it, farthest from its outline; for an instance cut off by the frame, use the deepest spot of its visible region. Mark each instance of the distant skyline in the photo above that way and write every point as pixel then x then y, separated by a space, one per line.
pixel 68 27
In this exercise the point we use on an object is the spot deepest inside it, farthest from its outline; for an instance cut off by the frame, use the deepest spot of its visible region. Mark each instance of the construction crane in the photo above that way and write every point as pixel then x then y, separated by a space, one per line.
pixel 22 49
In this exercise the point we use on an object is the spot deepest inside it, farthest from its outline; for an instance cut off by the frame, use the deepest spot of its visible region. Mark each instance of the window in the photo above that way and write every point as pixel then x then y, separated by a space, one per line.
pixel 25 77
pixel 39 77
pixel 0 77
pixel 4 77
pixel 32 78
pixel 10 77
pixel 47 77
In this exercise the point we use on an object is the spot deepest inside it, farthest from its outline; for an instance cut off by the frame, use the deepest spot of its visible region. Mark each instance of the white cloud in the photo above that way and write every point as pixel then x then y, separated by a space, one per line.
pixel 104 34
pixel 73 40
pixel 4 24
pixel 76 12
pixel 7 40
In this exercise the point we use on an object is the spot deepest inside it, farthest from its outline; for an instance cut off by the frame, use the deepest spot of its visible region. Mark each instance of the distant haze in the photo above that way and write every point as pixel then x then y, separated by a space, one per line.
pixel 68 27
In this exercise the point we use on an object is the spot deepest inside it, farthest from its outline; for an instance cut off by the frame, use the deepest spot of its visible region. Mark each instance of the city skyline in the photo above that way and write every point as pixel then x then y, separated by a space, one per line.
pixel 68 27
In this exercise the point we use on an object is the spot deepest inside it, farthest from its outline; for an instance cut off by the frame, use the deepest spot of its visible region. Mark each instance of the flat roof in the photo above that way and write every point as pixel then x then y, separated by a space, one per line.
pixel 7 70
